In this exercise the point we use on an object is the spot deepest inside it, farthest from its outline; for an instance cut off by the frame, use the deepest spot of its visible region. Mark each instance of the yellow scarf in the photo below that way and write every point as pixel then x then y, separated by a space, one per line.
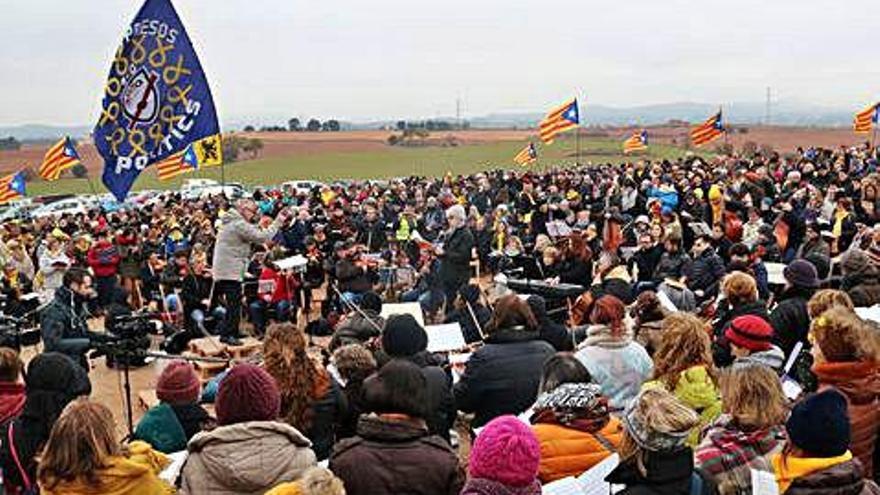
pixel 839 217
pixel 797 467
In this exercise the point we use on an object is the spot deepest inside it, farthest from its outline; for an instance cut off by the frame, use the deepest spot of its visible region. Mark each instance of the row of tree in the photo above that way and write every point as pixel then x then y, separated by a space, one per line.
pixel 10 144
pixel 296 125
pixel 431 125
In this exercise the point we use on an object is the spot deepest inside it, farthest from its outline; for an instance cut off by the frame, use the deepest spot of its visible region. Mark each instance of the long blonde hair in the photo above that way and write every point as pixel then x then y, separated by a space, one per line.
pixel 657 411
pixel 300 379
pixel 684 343
pixel 81 442
pixel 752 395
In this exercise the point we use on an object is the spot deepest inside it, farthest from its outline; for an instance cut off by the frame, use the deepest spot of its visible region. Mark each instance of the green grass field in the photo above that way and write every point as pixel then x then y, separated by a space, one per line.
pixel 391 162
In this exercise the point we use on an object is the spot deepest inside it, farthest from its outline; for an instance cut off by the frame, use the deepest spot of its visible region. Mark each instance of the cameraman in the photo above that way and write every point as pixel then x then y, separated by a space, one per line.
pixel 63 323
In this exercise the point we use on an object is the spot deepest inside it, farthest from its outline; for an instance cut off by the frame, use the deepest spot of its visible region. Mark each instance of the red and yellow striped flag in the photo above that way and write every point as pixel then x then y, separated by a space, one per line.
pixel 865 120
pixel 637 142
pixel 12 187
pixel 527 156
pixel 561 119
pixel 172 166
pixel 708 131
pixel 59 158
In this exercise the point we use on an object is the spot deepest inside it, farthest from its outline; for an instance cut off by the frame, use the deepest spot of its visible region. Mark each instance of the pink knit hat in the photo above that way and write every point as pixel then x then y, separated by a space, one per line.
pixel 506 451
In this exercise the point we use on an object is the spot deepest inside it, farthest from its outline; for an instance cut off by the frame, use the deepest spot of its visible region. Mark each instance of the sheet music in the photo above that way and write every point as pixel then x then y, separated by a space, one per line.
pixel 444 338
pixel 292 262
pixel 764 483
pixel 564 486
pixel 414 309
pixel 870 314
pixel 775 274
pixel 593 479
pixel 558 228
pixel 172 471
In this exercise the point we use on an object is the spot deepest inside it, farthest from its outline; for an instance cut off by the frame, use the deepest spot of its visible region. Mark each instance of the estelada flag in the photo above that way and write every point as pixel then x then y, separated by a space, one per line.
pixel 559 120
pixel 156 100
pixel 527 155
pixel 708 131
pixel 59 158
pixel 12 187
pixel 865 120
pixel 173 166
pixel 637 142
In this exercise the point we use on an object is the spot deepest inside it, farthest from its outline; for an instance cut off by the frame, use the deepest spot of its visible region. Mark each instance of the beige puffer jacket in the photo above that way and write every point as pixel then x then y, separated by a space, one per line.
pixel 245 458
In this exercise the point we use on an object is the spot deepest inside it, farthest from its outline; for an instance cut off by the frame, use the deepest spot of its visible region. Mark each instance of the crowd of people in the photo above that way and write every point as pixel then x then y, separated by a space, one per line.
pixel 722 331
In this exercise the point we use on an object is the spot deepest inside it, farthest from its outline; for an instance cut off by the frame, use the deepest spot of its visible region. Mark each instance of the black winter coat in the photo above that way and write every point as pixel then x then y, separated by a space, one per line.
pixel 441 404
pixel 790 319
pixel 669 473
pixel 706 273
pixel 327 413
pixel 64 328
pixel 455 269
pixel 503 376
pixel 671 265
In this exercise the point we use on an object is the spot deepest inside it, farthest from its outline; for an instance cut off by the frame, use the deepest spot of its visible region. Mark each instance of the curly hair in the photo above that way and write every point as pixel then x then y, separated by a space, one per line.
pixel 752 395
pixel 843 337
pixel 354 360
pixel 684 343
pixel 301 380
pixel 826 299
pixel 739 288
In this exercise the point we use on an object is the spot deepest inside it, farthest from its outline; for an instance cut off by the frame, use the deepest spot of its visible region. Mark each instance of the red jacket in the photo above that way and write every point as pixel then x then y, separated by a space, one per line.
pixel 103 259
pixel 278 283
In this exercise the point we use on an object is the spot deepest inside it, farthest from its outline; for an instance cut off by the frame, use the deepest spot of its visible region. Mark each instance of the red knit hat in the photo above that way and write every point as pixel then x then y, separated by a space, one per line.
pixel 247 393
pixel 506 451
pixel 178 384
pixel 750 332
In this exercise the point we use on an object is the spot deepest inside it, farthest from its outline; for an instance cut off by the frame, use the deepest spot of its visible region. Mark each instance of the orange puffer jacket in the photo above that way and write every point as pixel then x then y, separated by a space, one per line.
pixel 569 452
pixel 860 383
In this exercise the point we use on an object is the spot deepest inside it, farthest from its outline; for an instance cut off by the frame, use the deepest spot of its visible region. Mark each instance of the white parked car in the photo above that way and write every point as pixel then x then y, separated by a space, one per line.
pixel 302 186
pixel 70 206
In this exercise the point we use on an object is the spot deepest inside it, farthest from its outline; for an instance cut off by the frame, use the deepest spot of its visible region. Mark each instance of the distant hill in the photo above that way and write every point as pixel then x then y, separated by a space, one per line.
pixel 35 132
pixel 789 113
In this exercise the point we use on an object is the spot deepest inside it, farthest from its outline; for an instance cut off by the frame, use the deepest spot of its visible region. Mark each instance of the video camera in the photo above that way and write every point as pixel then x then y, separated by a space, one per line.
pixel 14 334
pixel 128 339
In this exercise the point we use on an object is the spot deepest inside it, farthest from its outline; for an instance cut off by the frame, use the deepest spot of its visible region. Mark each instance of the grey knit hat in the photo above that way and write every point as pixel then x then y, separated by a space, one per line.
pixel 657 421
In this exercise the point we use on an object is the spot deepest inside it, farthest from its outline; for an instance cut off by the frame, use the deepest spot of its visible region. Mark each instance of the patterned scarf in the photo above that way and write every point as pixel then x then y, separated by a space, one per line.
pixel 574 405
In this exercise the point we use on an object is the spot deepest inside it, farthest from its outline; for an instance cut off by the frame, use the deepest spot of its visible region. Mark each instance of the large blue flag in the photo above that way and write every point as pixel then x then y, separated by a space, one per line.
pixel 156 100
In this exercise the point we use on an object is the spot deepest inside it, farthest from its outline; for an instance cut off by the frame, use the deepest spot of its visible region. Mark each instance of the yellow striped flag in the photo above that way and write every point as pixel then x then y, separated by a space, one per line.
pixel 865 120
pixel 527 156
pixel 12 187
pixel 708 131
pixel 172 166
pixel 637 142
pixel 561 119
pixel 59 158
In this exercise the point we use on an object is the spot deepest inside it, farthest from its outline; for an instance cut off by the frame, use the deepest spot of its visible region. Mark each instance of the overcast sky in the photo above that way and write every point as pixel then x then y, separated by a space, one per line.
pixel 359 60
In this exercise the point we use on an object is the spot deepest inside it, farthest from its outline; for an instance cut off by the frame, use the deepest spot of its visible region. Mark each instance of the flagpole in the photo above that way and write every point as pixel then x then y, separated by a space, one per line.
pixel 577 145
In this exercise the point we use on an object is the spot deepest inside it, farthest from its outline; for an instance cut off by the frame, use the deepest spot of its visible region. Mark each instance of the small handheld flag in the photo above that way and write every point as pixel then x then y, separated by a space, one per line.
pixel 527 155
pixel 637 142
pixel 12 187
pixel 865 120
pixel 175 165
pixel 708 131
pixel 156 100
pixel 561 119
pixel 59 158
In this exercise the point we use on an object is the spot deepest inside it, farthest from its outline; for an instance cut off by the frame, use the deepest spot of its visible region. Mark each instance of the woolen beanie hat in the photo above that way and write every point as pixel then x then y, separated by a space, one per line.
pixel 854 261
pixel 178 384
pixel 403 336
pixel 247 393
pixel 750 332
pixel 801 273
pixel 507 452
pixel 819 424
